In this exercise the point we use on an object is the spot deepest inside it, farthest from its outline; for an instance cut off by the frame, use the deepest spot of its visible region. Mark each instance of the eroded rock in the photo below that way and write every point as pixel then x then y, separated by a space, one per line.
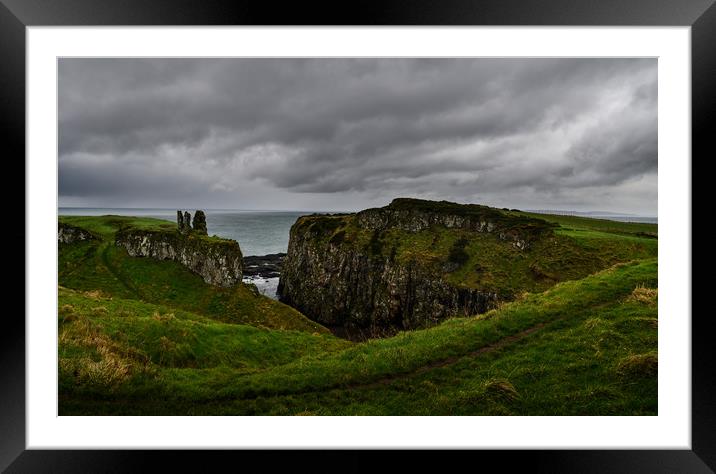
pixel 339 271
pixel 218 261
pixel 69 234
pixel 199 223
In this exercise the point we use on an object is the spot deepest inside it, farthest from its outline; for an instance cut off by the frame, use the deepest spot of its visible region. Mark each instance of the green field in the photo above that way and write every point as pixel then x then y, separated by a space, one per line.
pixel 144 337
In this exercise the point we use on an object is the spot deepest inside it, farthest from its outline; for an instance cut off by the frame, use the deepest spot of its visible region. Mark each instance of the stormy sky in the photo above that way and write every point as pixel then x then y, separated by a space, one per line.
pixel 347 134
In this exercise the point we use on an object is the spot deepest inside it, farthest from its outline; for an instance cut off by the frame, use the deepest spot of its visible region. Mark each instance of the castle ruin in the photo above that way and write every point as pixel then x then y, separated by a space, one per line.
pixel 184 222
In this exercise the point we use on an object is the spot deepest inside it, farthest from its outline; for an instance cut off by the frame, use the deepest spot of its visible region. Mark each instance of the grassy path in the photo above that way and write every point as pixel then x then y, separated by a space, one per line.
pixel 104 258
pixel 500 344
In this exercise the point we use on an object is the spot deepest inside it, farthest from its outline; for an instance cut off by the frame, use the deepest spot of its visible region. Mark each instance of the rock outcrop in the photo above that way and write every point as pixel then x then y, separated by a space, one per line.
pixel 69 234
pixel 217 261
pixel 199 223
pixel 266 266
pixel 338 276
pixel 415 215
pixel 182 225
pixel 340 287
pixel 186 225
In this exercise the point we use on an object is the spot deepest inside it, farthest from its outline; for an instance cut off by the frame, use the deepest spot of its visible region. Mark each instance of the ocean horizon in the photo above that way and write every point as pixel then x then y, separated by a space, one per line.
pixel 263 232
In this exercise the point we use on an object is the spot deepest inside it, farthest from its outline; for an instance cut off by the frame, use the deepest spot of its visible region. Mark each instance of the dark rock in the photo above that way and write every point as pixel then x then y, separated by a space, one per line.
pixel 349 287
pixel 187 222
pixel 199 223
pixel 267 266
pixel 341 281
pixel 183 222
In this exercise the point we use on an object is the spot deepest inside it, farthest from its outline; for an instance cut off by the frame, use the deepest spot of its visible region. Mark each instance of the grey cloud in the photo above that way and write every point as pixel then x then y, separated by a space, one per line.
pixel 492 129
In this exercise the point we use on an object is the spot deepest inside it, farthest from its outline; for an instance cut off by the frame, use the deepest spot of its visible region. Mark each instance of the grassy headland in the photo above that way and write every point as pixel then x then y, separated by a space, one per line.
pixel 99 265
pixel 145 337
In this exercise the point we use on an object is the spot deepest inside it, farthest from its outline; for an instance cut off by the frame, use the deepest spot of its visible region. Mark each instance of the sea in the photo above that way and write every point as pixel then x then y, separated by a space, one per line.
pixel 257 232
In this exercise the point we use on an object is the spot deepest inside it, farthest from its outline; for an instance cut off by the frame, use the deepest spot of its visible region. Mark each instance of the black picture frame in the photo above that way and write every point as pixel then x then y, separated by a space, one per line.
pixel 16 15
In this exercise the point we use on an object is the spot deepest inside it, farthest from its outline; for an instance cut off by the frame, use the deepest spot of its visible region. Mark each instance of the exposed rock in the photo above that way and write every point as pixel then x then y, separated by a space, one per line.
pixel 217 261
pixel 181 225
pixel 68 234
pixel 187 222
pixel 199 223
pixel 342 286
pixel 267 266
pixel 338 282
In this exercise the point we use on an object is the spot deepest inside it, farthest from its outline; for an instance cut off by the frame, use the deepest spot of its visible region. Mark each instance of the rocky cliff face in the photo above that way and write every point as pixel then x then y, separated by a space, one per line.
pixel 347 287
pixel 337 278
pixel 69 234
pixel 217 261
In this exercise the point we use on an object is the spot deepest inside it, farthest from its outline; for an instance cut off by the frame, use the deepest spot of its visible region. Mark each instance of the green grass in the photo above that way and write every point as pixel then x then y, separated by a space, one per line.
pixel 592 352
pixel 576 223
pixel 115 337
pixel 502 218
pixel 145 337
pixel 107 226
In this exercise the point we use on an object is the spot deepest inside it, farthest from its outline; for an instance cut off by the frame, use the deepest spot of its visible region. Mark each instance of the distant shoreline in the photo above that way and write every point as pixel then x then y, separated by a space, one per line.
pixel 606 215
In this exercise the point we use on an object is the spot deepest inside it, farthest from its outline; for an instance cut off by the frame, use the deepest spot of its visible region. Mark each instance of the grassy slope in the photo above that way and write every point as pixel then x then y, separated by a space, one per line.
pixel 104 339
pixel 106 226
pixel 577 223
pixel 592 352
pixel 100 265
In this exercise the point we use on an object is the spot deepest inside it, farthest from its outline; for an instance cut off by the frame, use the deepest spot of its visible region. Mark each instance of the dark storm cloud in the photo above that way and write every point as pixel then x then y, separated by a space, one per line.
pixel 512 131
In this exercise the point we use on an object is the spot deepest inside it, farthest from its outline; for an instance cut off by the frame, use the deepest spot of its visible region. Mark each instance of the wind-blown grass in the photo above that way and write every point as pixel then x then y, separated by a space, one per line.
pixel 557 369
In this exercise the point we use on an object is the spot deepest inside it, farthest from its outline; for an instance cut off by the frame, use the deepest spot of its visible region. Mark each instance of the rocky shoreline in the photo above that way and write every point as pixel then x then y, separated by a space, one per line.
pixel 266 266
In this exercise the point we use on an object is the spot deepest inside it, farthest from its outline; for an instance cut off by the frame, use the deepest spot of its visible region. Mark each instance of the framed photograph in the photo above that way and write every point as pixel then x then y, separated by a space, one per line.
pixel 412 227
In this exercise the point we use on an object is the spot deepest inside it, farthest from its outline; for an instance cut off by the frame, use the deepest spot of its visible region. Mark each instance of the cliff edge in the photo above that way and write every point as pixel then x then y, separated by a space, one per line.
pixel 218 261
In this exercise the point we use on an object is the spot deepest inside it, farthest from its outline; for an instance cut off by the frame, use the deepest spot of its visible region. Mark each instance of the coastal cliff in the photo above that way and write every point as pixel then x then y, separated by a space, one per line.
pixel 217 261
pixel 400 266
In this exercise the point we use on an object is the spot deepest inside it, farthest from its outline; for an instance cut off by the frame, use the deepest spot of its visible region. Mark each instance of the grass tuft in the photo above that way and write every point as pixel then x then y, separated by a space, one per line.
pixel 593 323
pixel 644 295
pixel 639 365
pixel 501 389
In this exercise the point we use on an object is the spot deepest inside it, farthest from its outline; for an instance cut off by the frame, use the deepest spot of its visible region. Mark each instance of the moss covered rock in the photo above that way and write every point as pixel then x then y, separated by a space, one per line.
pixel 347 270
pixel 199 223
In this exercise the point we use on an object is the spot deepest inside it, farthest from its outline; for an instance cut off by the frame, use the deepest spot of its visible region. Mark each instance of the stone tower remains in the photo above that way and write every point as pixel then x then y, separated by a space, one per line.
pixel 183 222
pixel 200 223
